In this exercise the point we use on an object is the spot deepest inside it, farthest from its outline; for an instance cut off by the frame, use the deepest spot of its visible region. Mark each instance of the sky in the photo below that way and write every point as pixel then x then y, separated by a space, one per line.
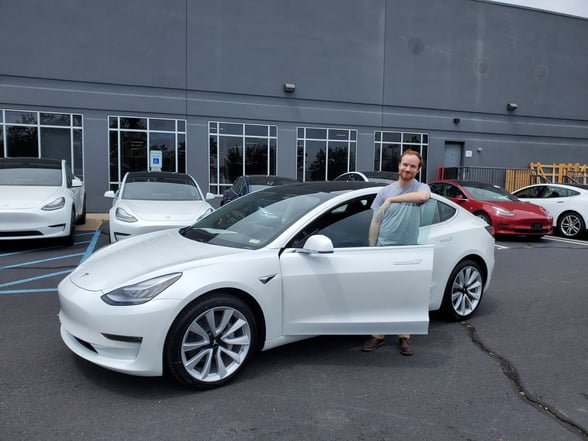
pixel 570 7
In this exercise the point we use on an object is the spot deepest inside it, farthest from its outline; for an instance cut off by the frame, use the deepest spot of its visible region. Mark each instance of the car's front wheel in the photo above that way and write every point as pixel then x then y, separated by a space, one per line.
pixel 571 225
pixel 210 341
pixel 464 291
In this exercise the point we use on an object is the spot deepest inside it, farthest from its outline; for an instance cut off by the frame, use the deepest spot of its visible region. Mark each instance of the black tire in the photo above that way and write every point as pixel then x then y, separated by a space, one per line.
pixel 82 219
pixel 484 217
pixel 571 225
pixel 197 355
pixel 69 239
pixel 464 291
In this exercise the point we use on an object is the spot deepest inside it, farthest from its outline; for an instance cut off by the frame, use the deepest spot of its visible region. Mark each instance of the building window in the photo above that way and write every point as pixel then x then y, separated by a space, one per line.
pixel 132 139
pixel 324 154
pixel 43 135
pixel 389 146
pixel 240 149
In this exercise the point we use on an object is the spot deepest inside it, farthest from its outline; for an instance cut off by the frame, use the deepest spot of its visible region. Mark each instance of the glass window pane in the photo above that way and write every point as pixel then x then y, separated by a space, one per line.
pixel 212 127
pixel 352 155
pixel 425 139
pixel 113 122
pixel 338 159
pixel 213 149
pixel 168 125
pixel 77 120
pixel 390 157
pixel 353 135
pixel 22 141
pixel 377 165
pixel 412 138
pixel 391 137
pixel 230 159
pixel 273 131
pixel 78 160
pixel 114 176
pixel 181 125
pixel 166 143
pixel 273 156
pixel 1 142
pixel 378 136
pixel 133 123
pixel 181 153
pixel 133 152
pixel 338 134
pixel 56 143
pixel 231 129
pixel 255 130
pixel 315 160
pixel 300 133
pixel 316 133
pixel 256 156
pixel 55 119
pixel 300 161
pixel 21 117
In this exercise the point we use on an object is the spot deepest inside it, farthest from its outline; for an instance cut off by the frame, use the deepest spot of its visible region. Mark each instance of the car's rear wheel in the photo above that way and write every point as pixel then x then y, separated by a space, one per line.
pixel 571 225
pixel 464 291
pixel 210 342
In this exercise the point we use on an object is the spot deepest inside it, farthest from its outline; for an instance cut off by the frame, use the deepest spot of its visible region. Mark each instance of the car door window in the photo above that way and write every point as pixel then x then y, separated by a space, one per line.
pixel 347 225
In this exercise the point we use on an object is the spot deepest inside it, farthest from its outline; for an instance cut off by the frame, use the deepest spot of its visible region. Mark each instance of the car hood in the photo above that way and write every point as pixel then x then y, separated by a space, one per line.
pixel 18 197
pixel 519 207
pixel 144 256
pixel 166 210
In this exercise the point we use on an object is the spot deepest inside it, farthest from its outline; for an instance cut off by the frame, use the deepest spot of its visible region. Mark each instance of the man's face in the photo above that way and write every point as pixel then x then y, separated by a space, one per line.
pixel 408 167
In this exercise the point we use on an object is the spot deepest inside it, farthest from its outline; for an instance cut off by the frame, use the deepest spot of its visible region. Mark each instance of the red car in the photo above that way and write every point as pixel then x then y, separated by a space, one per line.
pixel 505 212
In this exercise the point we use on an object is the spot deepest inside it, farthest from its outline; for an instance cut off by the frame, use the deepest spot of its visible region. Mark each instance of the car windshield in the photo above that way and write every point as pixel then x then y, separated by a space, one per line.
pixel 254 220
pixel 30 175
pixel 489 193
pixel 154 189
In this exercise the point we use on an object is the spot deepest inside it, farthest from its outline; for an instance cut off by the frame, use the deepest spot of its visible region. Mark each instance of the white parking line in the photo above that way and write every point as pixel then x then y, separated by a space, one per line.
pixel 563 239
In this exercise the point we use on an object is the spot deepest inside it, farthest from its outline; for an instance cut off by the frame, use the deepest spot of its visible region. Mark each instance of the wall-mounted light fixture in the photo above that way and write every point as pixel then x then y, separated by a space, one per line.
pixel 289 87
pixel 456 120
pixel 479 149
pixel 511 107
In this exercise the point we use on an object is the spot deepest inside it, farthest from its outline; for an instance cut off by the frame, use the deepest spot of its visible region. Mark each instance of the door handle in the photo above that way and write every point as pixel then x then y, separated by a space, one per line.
pixel 409 262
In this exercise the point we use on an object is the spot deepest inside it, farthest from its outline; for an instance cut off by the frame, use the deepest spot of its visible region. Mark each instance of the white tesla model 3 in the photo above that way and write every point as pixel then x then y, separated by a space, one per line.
pixel 40 199
pixel 271 267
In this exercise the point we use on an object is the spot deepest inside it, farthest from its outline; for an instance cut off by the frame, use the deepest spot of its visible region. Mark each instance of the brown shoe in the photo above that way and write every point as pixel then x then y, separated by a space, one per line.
pixel 405 347
pixel 371 344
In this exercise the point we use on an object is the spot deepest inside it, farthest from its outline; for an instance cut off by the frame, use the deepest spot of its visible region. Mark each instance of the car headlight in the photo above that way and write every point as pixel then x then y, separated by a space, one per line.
pixel 502 212
pixel 140 292
pixel 123 216
pixel 55 205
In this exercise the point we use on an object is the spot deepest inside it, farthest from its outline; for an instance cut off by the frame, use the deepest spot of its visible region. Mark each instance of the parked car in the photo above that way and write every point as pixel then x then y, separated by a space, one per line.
pixel 40 199
pixel 505 212
pixel 385 177
pixel 150 201
pixel 272 267
pixel 566 203
pixel 249 183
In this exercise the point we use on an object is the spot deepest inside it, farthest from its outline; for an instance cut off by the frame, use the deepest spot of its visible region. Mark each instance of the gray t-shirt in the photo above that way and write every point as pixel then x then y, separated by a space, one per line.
pixel 401 222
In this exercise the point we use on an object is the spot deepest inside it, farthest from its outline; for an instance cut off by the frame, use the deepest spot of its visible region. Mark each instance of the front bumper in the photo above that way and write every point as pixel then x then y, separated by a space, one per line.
pixel 128 339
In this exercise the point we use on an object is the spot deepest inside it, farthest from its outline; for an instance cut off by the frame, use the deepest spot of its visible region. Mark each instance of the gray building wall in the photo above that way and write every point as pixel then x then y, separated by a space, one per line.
pixel 377 65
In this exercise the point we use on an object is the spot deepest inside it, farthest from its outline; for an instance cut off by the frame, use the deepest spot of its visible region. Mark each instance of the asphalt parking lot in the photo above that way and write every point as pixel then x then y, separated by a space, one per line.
pixel 515 371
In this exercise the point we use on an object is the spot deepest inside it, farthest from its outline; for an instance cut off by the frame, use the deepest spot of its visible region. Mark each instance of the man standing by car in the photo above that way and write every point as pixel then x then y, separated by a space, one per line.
pixel 396 221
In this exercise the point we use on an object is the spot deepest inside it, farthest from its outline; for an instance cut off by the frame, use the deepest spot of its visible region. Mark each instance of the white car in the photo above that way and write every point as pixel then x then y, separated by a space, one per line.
pixel 151 201
pixel 566 203
pixel 40 199
pixel 272 267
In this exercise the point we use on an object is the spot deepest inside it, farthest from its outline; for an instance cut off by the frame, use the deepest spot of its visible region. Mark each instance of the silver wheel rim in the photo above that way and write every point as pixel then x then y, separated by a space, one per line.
pixel 216 344
pixel 570 225
pixel 466 290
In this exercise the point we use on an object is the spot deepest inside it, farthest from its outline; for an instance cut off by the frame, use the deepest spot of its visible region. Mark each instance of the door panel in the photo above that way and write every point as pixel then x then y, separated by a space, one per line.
pixel 357 290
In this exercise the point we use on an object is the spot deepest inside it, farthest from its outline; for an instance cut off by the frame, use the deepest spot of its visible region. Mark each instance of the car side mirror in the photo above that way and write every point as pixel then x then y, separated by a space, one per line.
pixel 209 196
pixel 76 182
pixel 109 194
pixel 318 243
pixel 460 198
